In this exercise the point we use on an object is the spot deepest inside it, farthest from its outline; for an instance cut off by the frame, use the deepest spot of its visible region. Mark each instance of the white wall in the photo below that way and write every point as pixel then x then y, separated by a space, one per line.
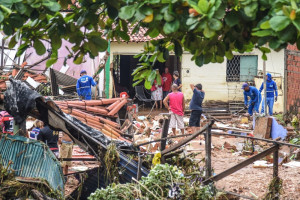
pixel 213 77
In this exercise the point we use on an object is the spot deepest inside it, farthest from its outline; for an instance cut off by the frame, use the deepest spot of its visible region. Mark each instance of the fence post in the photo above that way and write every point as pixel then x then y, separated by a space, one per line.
pixel 139 172
pixel 164 133
pixel 275 169
pixel 208 151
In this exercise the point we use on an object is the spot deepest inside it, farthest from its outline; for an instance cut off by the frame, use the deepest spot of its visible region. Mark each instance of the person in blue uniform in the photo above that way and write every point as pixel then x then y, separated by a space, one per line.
pixel 84 86
pixel 255 98
pixel 271 89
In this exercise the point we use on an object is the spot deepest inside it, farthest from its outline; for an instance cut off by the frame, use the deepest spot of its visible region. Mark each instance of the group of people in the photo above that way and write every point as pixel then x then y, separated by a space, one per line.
pixel 255 96
pixel 53 139
pixel 160 91
pixel 175 103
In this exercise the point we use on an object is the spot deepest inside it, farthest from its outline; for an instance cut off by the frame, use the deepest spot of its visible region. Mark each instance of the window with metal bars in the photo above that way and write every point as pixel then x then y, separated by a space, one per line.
pixel 241 68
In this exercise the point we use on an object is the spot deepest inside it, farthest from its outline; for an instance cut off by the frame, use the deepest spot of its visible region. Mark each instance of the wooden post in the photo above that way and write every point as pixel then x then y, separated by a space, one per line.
pixel 164 133
pixel 139 168
pixel 208 151
pixel 275 170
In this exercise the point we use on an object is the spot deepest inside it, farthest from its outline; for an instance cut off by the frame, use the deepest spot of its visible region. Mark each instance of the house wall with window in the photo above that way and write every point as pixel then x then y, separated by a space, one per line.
pixel 223 81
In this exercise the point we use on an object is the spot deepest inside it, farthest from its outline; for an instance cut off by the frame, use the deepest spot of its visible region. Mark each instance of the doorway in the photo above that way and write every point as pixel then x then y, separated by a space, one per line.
pixel 124 65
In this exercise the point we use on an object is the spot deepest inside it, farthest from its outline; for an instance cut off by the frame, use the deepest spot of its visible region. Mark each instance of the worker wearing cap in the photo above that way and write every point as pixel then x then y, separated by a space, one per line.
pixel 255 98
pixel 271 89
pixel 84 86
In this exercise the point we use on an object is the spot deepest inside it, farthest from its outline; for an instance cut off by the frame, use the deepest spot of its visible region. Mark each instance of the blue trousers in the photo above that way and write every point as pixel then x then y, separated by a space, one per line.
pixel 270 104
pixel 254 107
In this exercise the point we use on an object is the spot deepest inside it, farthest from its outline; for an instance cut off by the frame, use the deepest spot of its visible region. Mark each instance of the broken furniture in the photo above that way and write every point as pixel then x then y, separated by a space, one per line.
pixel 140 95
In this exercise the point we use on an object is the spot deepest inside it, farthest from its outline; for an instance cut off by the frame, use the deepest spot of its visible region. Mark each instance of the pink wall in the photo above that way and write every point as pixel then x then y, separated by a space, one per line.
pixel 74 70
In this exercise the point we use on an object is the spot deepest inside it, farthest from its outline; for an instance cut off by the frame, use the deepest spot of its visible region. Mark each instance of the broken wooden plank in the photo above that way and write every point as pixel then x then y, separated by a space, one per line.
pixel 182 142
pixel 241 165
pixel 263 127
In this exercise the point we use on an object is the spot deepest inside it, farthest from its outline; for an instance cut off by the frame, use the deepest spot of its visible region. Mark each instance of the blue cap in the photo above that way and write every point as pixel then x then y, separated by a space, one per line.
pixel 245 85
pixel 82 71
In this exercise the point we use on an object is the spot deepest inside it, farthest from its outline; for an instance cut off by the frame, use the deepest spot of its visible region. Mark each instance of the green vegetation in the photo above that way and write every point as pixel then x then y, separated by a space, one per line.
pixel 218 27
pixel 164 181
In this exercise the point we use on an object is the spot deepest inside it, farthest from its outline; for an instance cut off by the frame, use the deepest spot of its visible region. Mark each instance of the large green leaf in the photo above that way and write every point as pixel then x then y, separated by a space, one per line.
pixel 56 42
pixel 39 47
pixel 232 18
pixel 21 8
pixel 51 61
pixel 145 73
pixel 136 83
pixel 51 5
pixel 127 12
pixel 152 75
pixel 171 27
pixel 100 43
pixel 112 12
pixel 262 33
pixel 1 16
pixel 158 79
pixel 214 24
pixel 78 58
pixel 209 33
pixel 7 29
pixel 203 6
pixel 168 16
pixel 265 25
pixel 138 69
pixel 278 23
pixel 21 49
pixel 147 84
pixel 199 60
pixel 177 48
pixel 12 42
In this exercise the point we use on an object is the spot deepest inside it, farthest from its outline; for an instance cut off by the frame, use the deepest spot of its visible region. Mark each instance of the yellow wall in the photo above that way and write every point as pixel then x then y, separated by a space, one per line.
pixel 212 76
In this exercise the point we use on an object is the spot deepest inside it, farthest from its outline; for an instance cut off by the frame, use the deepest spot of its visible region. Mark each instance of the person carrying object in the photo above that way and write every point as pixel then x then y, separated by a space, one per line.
pixel 196 106
pixel 176 107
pixel 255 98
pixel 271 89
pixel 84 86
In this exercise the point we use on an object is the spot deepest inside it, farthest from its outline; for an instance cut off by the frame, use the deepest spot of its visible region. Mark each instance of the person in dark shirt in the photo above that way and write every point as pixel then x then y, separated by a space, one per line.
pixel 196 106
pixel 50 138
pixel 177 80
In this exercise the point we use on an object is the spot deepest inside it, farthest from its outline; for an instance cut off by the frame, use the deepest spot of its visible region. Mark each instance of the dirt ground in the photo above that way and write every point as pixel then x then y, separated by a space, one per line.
pixel 249 181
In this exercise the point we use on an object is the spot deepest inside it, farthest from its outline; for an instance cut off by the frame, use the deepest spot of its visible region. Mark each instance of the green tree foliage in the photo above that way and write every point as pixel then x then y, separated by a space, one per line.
pixel 208 29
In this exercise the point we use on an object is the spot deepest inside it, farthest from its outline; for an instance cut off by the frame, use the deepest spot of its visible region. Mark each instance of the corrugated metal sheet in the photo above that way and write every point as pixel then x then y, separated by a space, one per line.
pixel 32 158
pixel 63 79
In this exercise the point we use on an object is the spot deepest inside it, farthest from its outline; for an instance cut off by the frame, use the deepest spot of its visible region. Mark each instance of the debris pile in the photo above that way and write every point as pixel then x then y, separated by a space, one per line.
pixel 94 113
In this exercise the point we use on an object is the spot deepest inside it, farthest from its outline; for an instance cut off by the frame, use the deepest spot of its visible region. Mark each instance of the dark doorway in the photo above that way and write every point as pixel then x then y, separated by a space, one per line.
pixel 124 66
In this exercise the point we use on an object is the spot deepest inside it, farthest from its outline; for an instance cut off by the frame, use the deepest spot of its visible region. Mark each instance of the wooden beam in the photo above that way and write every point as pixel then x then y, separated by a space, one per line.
pixel 164 133
pixel 241 165
pixel 188 139
pixel 208 152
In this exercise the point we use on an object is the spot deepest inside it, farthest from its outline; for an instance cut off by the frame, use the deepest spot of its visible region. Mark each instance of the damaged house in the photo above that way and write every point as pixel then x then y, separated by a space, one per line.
pixel 221 82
